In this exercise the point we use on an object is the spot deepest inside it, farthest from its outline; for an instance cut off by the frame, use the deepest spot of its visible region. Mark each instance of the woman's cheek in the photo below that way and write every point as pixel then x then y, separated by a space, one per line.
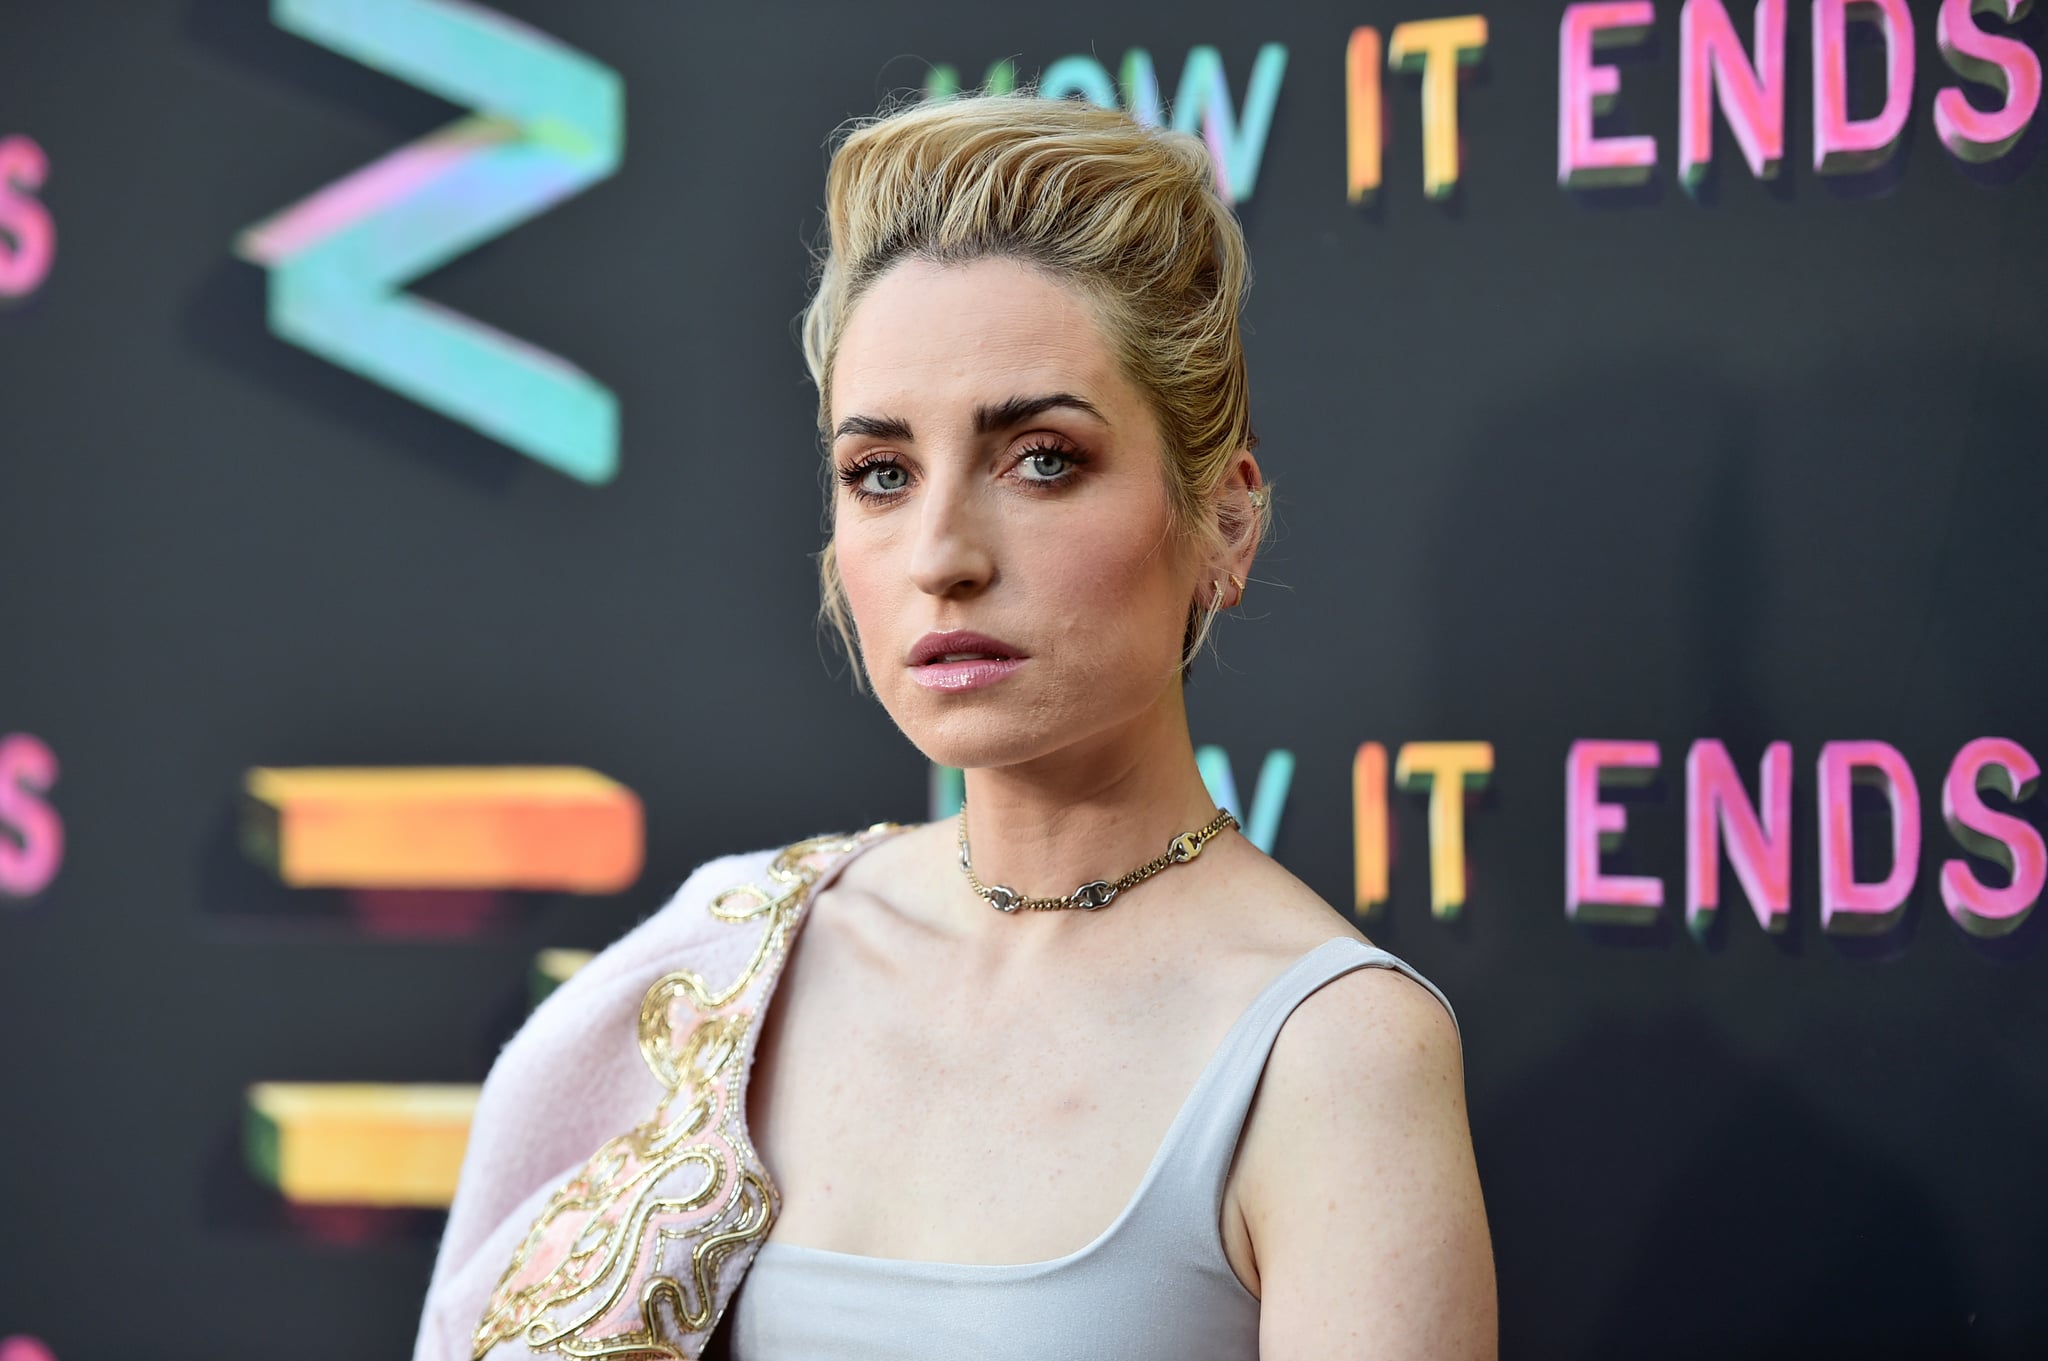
pixel 1116 600
pixel 861 578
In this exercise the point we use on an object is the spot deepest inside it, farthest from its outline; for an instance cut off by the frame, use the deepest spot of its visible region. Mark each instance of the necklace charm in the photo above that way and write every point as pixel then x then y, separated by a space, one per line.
pixel 1092 896
pixel 1097 893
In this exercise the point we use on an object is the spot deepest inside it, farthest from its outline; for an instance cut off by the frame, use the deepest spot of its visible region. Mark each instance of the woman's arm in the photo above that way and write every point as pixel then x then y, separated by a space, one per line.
pixel 1358 1186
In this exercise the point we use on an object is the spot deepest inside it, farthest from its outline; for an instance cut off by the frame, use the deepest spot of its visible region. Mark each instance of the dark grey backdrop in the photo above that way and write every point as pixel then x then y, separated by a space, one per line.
pixel 1765 465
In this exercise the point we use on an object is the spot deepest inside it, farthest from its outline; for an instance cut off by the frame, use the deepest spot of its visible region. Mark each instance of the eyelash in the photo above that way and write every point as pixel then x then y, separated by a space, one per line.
pixel 855 473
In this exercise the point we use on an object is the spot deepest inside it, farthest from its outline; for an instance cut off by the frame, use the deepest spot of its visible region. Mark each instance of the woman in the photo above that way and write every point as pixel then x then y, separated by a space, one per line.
pixel 1182 1110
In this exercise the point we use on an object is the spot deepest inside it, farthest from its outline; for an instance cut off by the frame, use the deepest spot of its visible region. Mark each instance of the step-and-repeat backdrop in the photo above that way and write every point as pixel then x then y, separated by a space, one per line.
pixel 407 494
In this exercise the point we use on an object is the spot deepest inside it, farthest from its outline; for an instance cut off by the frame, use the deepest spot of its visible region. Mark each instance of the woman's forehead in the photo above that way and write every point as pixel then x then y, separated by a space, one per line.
pixel 950 338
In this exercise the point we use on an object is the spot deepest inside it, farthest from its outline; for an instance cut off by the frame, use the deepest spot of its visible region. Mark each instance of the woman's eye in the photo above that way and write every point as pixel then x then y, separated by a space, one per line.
pixel 877 479
pixel 883 478
pixel 1046 465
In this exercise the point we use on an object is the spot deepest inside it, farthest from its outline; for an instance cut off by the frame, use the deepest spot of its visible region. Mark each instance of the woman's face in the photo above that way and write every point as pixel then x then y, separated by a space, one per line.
pixel 998 476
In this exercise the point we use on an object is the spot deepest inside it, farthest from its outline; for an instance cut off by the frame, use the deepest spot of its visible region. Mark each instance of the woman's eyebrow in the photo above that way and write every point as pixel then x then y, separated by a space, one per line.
pixel 987 419
pixel 874 427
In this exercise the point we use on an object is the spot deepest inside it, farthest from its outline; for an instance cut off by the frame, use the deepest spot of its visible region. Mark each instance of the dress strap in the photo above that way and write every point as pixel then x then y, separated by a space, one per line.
pixel 1194 1162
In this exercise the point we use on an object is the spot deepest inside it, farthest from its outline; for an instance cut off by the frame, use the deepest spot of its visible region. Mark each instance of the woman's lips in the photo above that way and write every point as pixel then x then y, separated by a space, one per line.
pixel 969 674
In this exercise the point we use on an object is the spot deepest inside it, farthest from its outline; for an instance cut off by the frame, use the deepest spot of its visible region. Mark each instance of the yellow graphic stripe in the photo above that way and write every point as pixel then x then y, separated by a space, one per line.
pixel 358 1143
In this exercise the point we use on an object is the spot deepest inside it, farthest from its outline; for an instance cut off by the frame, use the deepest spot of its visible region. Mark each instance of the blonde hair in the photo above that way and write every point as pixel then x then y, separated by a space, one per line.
pixel 1128 213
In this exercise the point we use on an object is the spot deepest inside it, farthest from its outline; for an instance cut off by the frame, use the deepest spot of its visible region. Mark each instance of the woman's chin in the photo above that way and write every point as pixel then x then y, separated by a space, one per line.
pixel 976 736
pixel 947 745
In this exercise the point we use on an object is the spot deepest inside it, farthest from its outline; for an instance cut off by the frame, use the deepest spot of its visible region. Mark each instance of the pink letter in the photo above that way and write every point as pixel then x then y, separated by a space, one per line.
pixel 1592 827
pixel 1584 89
pixel 1840 145
pixel 21 1348
pixel 22 170
pixel 1711 62
pixel 1998 837
pixel 2006 64
pixel 1845 905
pixel 27 768
pixel 1761 853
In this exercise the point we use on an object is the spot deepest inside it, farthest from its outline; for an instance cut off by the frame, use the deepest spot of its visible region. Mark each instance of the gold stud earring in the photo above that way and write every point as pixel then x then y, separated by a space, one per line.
pixel 1259 497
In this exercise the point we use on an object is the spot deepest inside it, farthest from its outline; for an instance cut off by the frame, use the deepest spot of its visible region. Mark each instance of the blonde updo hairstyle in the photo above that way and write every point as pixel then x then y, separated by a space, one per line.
pixel 1128 214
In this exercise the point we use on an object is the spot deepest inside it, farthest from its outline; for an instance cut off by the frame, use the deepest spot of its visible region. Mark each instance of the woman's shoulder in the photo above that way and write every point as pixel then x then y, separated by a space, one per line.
pixel 575 1059
pixel 1371 1010
pixel 720 907
pixel 711 926
pixel 1370 1059
pixel 683 921
pixel 576 1073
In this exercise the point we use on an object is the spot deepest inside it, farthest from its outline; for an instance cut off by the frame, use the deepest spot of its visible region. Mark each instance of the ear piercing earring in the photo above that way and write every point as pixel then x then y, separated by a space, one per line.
pixel 1259 497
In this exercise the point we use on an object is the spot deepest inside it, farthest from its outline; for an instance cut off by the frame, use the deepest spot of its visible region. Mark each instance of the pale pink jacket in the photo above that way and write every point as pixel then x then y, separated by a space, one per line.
pixel 609 1150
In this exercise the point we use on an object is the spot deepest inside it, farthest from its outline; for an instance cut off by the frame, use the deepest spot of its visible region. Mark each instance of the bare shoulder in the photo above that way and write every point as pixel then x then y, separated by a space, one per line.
pixel 1355 1034
pixel 1356 1185
pixel 1260 905
pixel 1375 1024
pixel 1368 1058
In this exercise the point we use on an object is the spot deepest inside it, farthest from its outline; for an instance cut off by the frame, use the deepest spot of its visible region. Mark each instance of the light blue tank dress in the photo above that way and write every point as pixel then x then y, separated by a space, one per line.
pixel 1153 1286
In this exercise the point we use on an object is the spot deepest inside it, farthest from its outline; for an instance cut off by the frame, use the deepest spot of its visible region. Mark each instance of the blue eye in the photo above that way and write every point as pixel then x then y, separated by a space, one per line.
pixel 1047 453
pixel 875 479
pixel 883 469
pixel 1051 451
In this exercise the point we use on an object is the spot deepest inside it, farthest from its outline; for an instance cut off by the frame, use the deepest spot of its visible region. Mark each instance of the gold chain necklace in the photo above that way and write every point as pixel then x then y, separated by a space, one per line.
pixel 1097 893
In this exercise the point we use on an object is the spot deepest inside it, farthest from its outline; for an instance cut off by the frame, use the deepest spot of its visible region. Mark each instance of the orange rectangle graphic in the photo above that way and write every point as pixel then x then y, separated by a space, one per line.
pixel 561 828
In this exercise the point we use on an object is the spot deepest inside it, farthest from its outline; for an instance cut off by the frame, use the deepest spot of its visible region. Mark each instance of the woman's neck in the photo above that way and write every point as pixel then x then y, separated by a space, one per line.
pixel 1095 811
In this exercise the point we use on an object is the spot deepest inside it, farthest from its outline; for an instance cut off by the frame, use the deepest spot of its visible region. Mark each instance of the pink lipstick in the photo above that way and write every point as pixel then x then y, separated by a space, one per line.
pixel 959 659
pixel 967 675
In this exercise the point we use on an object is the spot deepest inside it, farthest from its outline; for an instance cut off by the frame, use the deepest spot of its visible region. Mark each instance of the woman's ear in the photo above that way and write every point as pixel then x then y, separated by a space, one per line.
pixel 1241 515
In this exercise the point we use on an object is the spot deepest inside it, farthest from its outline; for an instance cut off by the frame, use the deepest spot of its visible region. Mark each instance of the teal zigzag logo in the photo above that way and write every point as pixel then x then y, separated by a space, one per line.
pixel 547 123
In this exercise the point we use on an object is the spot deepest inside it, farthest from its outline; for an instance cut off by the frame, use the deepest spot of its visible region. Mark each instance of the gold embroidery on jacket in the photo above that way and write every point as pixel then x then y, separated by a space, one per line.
pixel 602 1272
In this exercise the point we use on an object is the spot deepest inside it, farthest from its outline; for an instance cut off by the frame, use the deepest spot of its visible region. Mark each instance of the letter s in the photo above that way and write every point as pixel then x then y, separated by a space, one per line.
pixel 28 238
pixel 28 768
pixel 2001 838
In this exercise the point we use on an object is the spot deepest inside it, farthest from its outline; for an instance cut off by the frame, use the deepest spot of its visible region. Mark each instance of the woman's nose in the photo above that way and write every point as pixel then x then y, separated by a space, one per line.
pixel 952 553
